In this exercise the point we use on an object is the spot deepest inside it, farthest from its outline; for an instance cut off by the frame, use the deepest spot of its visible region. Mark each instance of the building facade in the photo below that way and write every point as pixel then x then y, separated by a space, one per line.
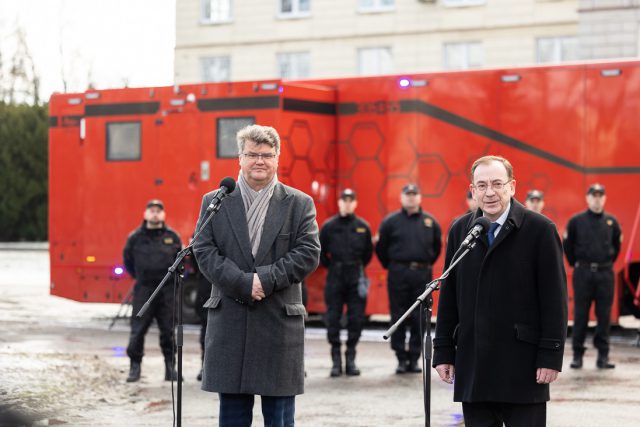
pixel 232 40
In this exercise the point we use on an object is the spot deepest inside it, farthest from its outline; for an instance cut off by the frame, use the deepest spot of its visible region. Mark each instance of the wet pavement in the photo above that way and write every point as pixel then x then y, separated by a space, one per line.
pixel 60 363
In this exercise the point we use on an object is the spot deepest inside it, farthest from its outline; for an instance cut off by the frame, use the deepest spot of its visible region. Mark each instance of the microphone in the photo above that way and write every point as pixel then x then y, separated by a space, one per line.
pixel 480 226
pixel 227 185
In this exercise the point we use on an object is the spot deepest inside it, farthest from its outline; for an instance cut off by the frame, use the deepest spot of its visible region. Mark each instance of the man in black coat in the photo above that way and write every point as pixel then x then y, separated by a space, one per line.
pixel 502 313
pixel 592 244
pixel 150 250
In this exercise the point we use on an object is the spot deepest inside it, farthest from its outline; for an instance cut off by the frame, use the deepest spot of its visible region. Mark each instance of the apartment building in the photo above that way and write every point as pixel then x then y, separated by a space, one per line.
pixel 231 40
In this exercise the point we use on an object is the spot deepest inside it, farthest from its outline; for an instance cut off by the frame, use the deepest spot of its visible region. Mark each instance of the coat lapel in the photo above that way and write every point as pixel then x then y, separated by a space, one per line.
pixel 238 219
pixel 514 219
pixel 276 216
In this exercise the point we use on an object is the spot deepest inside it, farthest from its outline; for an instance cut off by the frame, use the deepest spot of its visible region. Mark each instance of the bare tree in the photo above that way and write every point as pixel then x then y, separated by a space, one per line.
pixel 23 83
pixel 63 76
pixel 2 90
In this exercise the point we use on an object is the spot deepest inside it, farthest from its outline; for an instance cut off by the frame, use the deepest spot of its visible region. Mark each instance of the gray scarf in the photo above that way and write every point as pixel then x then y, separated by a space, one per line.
pixel 256 204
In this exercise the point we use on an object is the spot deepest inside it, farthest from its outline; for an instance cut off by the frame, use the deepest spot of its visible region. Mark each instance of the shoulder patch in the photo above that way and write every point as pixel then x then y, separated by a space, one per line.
pixel 168 240
pixel 361 230
pixel 428 222
pixel 610 222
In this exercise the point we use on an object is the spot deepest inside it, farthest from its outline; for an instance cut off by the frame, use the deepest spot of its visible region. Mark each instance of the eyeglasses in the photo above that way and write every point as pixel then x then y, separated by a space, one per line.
pixel 495 185
pixel 256 156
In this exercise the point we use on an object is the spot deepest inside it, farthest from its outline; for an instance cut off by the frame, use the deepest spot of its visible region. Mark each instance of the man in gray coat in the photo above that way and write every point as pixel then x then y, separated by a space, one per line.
pixel 256 251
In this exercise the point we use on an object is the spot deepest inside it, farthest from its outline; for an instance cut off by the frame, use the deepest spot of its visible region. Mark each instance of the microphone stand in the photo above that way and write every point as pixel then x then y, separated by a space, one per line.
pixel 178 265
pixel 426 301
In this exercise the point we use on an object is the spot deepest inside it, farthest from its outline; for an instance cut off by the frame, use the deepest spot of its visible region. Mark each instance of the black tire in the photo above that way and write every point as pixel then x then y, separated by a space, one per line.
pixel 627 306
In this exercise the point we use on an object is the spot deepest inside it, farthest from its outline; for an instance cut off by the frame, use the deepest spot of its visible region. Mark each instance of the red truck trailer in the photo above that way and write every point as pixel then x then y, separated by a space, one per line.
pixel 563 128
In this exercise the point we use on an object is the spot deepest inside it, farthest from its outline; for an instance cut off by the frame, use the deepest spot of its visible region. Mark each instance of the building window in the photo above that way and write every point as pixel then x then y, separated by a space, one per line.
pixel 215 11
pixel 294 8
pixel 462 56
pixel 375 5
pixel 216 69
pixel 293 65
pixel 374 60
pixel 228 127
pixel 455 3
pixel 123 141
pixel 556 49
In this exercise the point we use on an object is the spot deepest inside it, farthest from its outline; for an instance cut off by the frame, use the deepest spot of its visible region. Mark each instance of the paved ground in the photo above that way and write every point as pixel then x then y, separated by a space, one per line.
pixel 59 361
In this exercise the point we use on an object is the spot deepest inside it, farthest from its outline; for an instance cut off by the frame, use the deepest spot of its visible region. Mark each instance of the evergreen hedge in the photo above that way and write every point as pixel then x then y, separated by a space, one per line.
pixel 23 172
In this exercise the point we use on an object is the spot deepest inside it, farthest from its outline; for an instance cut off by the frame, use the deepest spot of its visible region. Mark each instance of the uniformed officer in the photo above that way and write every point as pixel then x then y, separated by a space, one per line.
pixel 409 243
pixel 346 249
pixel 150 250
pixel 471 203
pixel 592 244
pixel 535 201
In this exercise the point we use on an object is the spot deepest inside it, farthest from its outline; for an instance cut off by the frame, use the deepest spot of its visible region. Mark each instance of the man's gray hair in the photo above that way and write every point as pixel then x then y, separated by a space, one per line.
pixel 259 135
pixel 488 159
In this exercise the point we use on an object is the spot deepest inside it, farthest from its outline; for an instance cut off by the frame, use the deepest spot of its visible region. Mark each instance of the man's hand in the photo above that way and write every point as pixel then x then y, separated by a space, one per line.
pixel 546 375
pixel 446 372
pixel 257 293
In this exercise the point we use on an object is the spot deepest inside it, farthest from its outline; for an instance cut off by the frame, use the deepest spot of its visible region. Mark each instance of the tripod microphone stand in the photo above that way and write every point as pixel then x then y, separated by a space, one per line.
pixel 425 300
pixel 226 186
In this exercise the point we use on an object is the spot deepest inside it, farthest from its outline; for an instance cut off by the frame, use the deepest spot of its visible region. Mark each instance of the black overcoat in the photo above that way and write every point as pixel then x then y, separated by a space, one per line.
pixel 502 312
pixel 257 347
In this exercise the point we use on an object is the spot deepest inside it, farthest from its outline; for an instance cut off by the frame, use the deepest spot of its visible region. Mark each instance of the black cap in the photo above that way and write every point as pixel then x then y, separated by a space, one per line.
pixel 535 194
pixel 596 188
pixel 410 188
pixel 155 202
pixel 348 192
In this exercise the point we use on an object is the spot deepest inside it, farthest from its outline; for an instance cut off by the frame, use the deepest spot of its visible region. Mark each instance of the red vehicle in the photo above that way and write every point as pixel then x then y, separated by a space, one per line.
pixel 562 127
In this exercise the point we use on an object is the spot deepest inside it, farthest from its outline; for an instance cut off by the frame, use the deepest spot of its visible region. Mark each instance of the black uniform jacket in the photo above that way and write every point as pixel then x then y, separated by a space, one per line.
pixel 149 252
pixel 406 238
pixel 502 311
pixel 345 239
pixel 592 237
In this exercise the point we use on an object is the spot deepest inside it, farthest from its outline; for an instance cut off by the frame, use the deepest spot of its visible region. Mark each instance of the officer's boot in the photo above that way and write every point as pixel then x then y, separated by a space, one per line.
pixel 199 377
pixel 170 373
pixel 413 366
pixel 134 372
pixel 603 362
pixel 336 369
pixel 350 364
pixel 402 363
pixel 576 363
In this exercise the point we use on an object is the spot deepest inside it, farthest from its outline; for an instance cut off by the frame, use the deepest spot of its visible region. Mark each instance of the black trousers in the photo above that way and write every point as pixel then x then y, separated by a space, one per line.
pixel 341 289
pixel 160 309
pixel 236 410
pixel 592 286
pixel 404 287
pixel 497 414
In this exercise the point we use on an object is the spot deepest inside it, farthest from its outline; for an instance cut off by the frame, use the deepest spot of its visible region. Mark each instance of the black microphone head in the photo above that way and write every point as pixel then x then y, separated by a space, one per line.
pixel 482 222
pixel 228 184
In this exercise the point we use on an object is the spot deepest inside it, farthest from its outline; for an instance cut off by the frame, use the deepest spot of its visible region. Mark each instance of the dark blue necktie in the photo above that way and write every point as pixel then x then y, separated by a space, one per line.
pixel 492 230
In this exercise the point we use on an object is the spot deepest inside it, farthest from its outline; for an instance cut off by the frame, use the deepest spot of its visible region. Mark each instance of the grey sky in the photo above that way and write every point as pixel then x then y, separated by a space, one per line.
pixel 108 42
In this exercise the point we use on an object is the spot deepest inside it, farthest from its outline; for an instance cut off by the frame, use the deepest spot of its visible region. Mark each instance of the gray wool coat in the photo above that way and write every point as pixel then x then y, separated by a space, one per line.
pixel 257 347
